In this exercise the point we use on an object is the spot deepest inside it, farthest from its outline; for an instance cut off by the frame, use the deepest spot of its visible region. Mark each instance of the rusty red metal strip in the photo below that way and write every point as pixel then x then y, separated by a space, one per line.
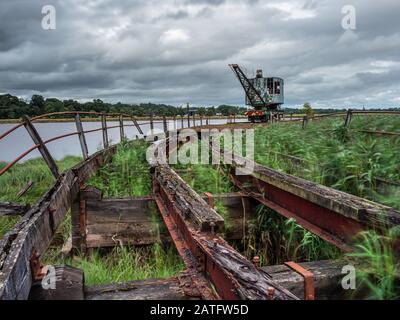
pixel 309 290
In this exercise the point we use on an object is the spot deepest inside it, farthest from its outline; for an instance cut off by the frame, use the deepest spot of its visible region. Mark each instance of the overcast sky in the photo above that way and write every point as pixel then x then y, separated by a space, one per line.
pixel 178 51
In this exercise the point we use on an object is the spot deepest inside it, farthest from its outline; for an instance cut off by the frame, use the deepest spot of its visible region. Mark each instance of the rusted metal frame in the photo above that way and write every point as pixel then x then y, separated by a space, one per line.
pixel 198 284
pixel 42 147
pixel 104 129
pixel 231 274
pixel 312 216
pixel 335 216
pixel 309 289
pixel 210 199
pixel 81 135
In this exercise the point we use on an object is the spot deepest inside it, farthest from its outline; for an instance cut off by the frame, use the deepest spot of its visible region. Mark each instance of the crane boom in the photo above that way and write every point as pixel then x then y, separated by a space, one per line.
pixel 255 98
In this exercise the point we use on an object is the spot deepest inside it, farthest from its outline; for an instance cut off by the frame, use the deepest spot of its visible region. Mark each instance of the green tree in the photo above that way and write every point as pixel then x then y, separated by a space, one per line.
pixel 308 110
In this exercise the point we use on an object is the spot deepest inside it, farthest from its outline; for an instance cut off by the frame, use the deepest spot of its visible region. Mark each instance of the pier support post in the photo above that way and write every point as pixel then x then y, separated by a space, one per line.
pixel 81 135
pixel 41 146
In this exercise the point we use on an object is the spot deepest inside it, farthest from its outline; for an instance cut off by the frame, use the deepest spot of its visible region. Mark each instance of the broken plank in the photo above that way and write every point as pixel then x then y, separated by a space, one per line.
pixel 12 209
pixel 150 289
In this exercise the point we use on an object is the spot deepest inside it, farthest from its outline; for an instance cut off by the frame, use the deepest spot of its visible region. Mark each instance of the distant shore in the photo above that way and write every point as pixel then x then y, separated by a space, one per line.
pixel 15 121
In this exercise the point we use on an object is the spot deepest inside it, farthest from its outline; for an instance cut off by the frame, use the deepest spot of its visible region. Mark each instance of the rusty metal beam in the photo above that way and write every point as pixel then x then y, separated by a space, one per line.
pixel 335 216
pixel 202 249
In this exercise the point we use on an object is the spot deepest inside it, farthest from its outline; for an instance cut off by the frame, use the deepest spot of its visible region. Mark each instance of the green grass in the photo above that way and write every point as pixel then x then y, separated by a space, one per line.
pixel 344 159
pixel 377 264
pixel 127 175
pixel 124 264
pixel 276 240
pixel 19 175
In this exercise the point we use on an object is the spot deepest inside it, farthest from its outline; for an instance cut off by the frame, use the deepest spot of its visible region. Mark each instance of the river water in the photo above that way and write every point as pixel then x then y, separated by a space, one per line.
pixel 19 141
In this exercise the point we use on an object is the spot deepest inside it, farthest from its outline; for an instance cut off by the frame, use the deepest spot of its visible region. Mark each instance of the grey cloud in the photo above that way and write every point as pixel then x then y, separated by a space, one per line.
pixel 113 50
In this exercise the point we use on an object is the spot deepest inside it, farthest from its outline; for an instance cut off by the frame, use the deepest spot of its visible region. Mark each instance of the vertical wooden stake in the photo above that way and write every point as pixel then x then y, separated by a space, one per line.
pixel 121 128
pixel 81 135
pixel 42 147
pixel 174 123
pixel 104 128
pixel 194 119
pixel 182 125
pixel 305 122
pixel 165 124
pixel 188 119
pixel 151 124
pixel 349 116
pixel 137 125
pixel 207 120
pixel 201 120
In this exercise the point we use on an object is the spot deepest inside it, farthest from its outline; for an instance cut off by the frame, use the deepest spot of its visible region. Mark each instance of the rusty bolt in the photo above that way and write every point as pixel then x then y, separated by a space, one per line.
pixel 212 225
pixel 256 261
pixel 270 293
pixel 215 240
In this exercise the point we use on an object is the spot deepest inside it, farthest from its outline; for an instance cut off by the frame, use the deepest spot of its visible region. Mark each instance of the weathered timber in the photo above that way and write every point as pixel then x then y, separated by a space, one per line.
pixel 232 276
pixel 131 221
pixel 137 126
pixel 121 128
pixel 33 232
pixel 104 129
pixel 81 136
pixel 192 205
pixel 112 222
pixel 150 289
pixel 25 189
pixel 41 146
pixel 69 285
pixel 333 215
pixel 12 209
pixel 327 279
pixel 37 227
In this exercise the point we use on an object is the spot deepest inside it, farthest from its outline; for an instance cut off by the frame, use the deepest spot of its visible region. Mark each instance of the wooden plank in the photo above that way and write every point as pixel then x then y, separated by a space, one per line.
pixel 151 124
pixel 38 226
pixel 327 279
pixel 69 285
pixel 150 289
pixel 42 147
pixel 194 207
pixel 12 209
pixel 33 232
pixel 81 136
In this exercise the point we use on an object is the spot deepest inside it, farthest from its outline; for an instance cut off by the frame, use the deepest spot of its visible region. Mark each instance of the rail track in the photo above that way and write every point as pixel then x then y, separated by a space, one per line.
pixel 214 270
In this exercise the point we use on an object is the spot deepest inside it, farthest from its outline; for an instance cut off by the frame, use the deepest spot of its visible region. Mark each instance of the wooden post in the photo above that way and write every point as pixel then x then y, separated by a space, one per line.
pixel 81 136
pixel 182 122
pixel 104 128
pixel 234 118
pixel 194 119
pixel 207 120
pixel 349 116
pixel 137 125
pixel 121 128
pixel 201 120
pixel 151 124
pixel 165 124
pixel 174 122
pixel 188 119
pixel 305 122
pixel 42 147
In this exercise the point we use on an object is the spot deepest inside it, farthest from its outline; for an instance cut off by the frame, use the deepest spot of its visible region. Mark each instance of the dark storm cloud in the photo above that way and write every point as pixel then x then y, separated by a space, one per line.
pixel 179 51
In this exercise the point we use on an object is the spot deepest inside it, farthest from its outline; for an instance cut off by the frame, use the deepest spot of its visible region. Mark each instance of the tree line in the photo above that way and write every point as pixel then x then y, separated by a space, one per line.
pixel 12 107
